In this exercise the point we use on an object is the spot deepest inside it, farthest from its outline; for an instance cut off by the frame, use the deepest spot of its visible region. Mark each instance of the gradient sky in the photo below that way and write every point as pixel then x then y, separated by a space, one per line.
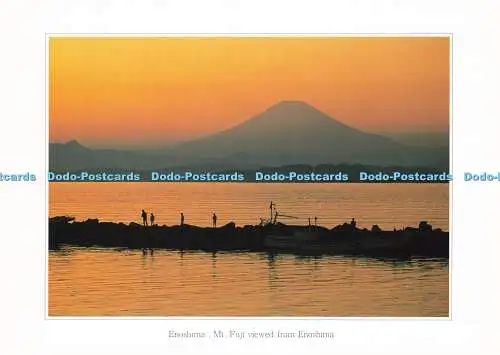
pixel 145 92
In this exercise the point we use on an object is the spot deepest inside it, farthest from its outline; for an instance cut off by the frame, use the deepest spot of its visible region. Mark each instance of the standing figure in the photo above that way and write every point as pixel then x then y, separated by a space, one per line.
pixel 144 216
pixel 152 219
pixel 214 220
pixel 182 219
pixel 315 221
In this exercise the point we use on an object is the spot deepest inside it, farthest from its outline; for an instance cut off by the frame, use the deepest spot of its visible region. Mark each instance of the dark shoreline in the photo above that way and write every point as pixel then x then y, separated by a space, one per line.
pixel 341 240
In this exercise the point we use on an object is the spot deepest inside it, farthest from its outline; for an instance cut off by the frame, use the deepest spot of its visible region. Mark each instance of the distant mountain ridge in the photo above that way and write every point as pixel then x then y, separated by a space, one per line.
pixel 290 132
pixel 74 156
pixel 293 132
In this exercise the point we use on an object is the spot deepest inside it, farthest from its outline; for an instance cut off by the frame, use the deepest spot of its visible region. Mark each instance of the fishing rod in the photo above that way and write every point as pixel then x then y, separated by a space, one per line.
pixel 287 216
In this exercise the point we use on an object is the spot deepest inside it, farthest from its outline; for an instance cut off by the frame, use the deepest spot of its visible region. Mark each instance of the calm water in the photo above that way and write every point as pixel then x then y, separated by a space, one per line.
pixel 110 282
pixel 97 282
pixel 388 205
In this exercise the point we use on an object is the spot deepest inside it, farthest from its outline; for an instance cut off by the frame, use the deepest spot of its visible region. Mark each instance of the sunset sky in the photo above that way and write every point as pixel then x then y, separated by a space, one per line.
pixel 147 92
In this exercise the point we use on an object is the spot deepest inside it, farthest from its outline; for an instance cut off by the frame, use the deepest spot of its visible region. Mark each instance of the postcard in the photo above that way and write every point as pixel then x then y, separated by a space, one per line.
pixel 262 176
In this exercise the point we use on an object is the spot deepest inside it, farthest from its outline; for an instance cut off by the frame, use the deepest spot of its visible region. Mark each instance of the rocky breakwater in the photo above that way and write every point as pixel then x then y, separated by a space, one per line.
pixel 341 240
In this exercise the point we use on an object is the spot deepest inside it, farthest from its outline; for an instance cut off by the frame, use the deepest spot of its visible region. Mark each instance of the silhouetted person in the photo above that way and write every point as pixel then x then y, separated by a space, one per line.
pixel 275 216
pixel 309 220
pixel 214 220
pixel 144 216
pixel 315 221
pixel 353 223
pixel 271 209
pixel 182 219
pixel 152 219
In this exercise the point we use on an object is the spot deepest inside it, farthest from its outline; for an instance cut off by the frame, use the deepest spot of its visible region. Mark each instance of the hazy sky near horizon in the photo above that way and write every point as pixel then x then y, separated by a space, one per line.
pixel 142 92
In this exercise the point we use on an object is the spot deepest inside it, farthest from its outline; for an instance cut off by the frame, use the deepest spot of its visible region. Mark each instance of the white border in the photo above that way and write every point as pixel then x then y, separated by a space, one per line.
pixel 476 75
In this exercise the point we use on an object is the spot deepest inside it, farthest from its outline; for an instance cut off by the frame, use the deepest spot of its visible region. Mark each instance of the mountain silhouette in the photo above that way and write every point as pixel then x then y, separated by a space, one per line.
pixel 288 133
pixel 294 132
pixel 73 156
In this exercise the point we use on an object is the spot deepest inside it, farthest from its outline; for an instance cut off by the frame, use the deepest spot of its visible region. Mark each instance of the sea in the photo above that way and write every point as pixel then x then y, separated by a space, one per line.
pixel 112 282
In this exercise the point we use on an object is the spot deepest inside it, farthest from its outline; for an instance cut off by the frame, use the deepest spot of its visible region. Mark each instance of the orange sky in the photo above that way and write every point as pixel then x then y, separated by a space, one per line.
pixel 149 91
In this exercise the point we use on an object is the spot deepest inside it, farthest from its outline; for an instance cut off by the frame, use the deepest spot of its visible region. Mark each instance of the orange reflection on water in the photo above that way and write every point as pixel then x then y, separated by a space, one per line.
pixel 388 205
pixel 109 282
pixel 112 283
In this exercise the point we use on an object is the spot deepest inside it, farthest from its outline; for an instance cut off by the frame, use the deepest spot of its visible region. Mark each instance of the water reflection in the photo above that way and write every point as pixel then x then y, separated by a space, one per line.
pixel 271 269
pixel 246 203
pixel 214 268
pixel 97 282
